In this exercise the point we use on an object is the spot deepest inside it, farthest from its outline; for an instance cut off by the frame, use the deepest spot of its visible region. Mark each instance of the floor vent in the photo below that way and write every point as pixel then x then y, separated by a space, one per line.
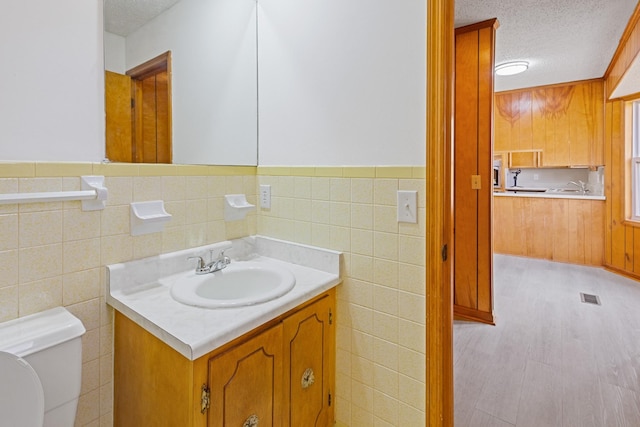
pixel 590 299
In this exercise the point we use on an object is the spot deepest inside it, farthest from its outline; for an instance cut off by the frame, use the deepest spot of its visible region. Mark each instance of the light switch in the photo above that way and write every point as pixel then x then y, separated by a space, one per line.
pixel 475 182
pixel 407 206
pixel 265 196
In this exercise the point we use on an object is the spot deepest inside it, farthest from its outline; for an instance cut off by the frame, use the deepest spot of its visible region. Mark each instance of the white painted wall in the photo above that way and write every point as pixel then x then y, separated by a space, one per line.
pixel 213 48
pixel 115 53
pixel 342 82
pixel 51 80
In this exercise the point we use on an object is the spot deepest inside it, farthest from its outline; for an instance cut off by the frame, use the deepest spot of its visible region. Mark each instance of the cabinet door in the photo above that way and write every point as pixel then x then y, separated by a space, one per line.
pixel 246 383
pixel 309 348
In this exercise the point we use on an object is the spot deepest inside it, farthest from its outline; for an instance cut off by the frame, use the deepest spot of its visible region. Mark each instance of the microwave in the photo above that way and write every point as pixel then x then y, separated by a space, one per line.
pixel 497 173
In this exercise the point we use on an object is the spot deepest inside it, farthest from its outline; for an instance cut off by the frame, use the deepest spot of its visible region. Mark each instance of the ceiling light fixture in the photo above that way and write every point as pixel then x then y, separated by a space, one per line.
pixel 511 68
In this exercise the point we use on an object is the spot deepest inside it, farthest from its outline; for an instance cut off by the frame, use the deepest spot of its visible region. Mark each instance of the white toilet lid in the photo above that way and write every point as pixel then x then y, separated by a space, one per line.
pixel 21 395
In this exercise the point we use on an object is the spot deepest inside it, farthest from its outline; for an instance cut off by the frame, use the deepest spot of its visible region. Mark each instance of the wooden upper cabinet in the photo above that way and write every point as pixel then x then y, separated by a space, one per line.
pixel 565 122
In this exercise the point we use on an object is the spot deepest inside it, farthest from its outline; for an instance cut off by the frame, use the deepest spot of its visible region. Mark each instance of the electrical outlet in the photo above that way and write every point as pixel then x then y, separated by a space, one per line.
pixel 407 206
pixel 265 196
pixel 475 182
pixel 536 176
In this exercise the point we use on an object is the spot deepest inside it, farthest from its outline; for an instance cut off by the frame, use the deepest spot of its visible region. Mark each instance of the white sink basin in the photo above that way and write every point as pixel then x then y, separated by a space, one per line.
pixel 240 283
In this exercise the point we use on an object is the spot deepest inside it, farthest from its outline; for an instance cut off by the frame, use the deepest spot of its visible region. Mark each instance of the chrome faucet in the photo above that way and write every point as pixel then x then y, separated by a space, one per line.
pixel 581 185
pixel 215 265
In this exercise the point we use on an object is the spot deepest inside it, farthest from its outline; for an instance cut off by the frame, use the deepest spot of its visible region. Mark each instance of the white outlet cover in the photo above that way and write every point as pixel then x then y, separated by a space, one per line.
pixel 265 196
pixel 408 206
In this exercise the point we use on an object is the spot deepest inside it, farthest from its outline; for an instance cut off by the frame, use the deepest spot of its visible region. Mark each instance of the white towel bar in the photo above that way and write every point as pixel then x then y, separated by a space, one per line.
pixel 93 195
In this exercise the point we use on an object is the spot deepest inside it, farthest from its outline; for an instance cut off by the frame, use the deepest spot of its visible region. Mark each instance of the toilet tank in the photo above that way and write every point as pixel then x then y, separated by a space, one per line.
pixel 50 341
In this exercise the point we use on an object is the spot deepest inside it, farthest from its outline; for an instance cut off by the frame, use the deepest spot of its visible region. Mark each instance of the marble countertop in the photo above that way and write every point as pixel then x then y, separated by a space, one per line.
pixel 141 291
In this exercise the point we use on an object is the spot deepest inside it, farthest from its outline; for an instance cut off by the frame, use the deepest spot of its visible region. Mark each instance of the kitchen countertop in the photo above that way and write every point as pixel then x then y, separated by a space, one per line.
pixel 141 291
pixel 547 195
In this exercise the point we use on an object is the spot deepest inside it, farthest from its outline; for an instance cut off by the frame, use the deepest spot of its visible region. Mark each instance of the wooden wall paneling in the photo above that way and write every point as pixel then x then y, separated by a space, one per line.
pixel 529 227
pixel 485 168
pixel 628 248
pixel 607 182
pixel 597 234
pixel 539 229
pixel 636 250
pixel 501 216
pixel 578 222
pixel 561 233
pixel 466 161
pixel 598 107
pixel 618 234
pixel 627 150
pixel 556 229
pixel 509 227
pixel 521 214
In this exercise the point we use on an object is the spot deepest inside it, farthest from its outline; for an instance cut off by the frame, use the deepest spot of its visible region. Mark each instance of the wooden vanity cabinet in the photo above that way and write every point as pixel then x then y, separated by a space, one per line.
pixel 246 383
pixel 309 349
pixel 281 374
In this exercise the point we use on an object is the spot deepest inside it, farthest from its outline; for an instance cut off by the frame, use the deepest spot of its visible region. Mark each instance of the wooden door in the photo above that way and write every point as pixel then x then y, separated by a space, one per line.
pixel 246 383
pixel 151 100
pixel 309 360
pixel 151 105
pixel 473 171
pixel 118 117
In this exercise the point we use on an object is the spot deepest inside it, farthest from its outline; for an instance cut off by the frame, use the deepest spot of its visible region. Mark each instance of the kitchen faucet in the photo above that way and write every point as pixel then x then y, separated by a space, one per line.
pixel 581 185
pixel 515 176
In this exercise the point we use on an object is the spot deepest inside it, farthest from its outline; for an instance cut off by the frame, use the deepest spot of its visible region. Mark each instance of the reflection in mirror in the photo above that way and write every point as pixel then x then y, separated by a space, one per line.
pixel 210 87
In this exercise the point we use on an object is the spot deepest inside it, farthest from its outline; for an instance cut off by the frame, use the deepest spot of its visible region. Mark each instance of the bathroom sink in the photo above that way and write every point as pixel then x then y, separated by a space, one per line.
pixel 241 283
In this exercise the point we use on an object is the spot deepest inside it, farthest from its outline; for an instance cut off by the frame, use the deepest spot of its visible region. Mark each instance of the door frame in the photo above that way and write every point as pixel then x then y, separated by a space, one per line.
pixel 439 232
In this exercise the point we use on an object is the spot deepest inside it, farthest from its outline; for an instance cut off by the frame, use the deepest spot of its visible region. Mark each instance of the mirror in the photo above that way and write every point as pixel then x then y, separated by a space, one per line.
pixel 212 72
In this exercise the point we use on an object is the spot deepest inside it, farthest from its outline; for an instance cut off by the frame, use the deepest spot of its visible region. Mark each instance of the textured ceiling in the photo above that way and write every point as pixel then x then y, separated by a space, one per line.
pixel 563 40
pixel 123 17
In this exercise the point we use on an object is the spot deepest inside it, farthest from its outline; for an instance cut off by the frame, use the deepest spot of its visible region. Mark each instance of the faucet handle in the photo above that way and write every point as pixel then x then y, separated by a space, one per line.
pixel 220 255
pixel 225 259
pixel 201 263
pixel 222 260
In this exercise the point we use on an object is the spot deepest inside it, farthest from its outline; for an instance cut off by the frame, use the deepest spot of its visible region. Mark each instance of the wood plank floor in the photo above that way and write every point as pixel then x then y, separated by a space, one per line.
pixel 551 360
